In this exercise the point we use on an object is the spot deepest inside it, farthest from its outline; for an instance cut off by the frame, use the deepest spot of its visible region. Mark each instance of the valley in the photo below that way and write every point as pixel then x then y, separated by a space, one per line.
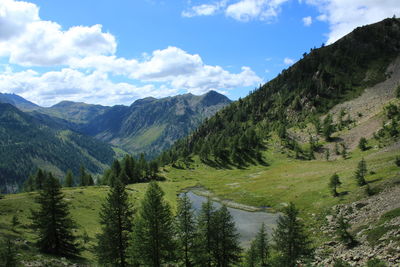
pixel 319 144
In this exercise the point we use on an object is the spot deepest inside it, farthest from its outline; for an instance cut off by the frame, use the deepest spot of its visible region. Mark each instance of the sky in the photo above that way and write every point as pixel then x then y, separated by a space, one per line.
pixel 114 52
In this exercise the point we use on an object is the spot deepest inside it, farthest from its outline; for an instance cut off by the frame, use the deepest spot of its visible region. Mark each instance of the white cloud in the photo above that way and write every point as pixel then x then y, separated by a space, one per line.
pixel 87 56
pixel 343 16
pixel 307 21
pixel 69 84
pixel 242 10
pixel 204 9
pixel 288 61
pixel 246 10
pixel 14 16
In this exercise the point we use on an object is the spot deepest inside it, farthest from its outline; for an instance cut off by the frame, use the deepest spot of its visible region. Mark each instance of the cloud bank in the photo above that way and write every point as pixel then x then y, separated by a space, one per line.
pixel 85 62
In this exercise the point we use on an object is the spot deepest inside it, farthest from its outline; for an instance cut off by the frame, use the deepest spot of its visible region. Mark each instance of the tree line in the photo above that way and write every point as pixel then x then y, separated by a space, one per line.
pixel 152 235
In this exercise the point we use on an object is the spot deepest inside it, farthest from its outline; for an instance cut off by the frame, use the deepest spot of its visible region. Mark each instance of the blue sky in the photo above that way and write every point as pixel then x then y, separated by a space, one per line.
pixel 113 52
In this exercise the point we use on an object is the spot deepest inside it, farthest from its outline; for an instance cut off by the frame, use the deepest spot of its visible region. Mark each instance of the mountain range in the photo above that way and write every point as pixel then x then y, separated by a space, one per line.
pixel 92 135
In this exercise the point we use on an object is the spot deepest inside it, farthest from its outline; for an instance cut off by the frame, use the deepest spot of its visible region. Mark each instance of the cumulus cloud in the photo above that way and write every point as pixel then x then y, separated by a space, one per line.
pixel 242 10
pixel 344 16
pixel 54 86
pixel 246 10
pixel 204 9
pixel 288 61
pixel 307 21
pixel 87 57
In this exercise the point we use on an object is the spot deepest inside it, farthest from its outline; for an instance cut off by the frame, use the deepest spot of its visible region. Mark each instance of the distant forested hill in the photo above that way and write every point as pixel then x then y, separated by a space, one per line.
pixel 27 143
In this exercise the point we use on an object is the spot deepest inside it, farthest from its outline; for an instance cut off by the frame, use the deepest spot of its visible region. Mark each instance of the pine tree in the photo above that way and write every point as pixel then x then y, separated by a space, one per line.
pixel 251 256
pixel 327 154
pixel 262 246
pixel 361 172
pixel 89 179
pixel 344 150
pixel 206 228
pixel 69 179
pixel 8 254
pixel 82 176
pixel 362 144
pixel 342 231
pixel 290 238
pixel 153 241
pixel 334 182
pixel 186 230
pixel 227 250
pixel 52 221
pixel 115 219
pixel 40 179
pixel 14 222
pixel 328 127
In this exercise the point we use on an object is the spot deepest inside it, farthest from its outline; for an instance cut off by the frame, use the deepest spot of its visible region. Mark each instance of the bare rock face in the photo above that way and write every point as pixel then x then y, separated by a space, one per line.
pixel 375 224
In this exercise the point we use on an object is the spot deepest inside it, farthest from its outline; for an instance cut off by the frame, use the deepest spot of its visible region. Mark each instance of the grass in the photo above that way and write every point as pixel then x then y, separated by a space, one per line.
pixel 289 180
pixel 283 180
pixel 85 204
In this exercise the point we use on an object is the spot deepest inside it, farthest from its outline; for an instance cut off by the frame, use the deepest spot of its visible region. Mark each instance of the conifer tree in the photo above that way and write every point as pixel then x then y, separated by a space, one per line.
pixel 40 179
pixel 290 238
pixel 115 219
pixel 328 127
pixel 334 182
pixel 344 150
pixel 186 230
pixel 361 172
pixel 251 256
pixel 14 222
pixel 82 176
pixel 261 247
pixel 342 231
pixel 8 254
pixel 362 144
pixel 69 179
pixel 114 173
pixel 89 179
pixel 227 250
pixel 153 241
pixel 53 222
pixel 206 227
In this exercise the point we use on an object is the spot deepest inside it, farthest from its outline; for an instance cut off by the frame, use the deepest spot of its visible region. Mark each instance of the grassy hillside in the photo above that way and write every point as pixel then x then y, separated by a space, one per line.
pixel 323 78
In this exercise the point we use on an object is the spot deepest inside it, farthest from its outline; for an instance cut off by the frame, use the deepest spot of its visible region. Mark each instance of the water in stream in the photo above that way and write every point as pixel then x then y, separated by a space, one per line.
pixel 247 222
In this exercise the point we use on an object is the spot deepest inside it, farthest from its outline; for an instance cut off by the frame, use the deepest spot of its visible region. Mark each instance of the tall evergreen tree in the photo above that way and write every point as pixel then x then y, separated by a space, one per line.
pixel 334 182
pixel 53 222
pixel 251 256
pixel 363 144
pixel 206 228
pixel 153 234
pixel 227 250
pixel 115 219
pixel 186 230
pixel 290 238
pixel 261 246
pixel 345 237
pixel 82 176
pixel 361 172
pixel 40 179
pixel 69 179
pixel 8 254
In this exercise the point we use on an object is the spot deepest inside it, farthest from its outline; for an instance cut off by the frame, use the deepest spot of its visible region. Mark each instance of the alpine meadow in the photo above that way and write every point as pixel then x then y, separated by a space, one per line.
pixel 248 133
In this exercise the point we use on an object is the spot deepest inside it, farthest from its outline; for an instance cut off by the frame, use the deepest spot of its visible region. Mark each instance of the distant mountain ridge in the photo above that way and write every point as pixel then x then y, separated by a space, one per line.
pixel 18 101
pixel 151 125
pixel 28 143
